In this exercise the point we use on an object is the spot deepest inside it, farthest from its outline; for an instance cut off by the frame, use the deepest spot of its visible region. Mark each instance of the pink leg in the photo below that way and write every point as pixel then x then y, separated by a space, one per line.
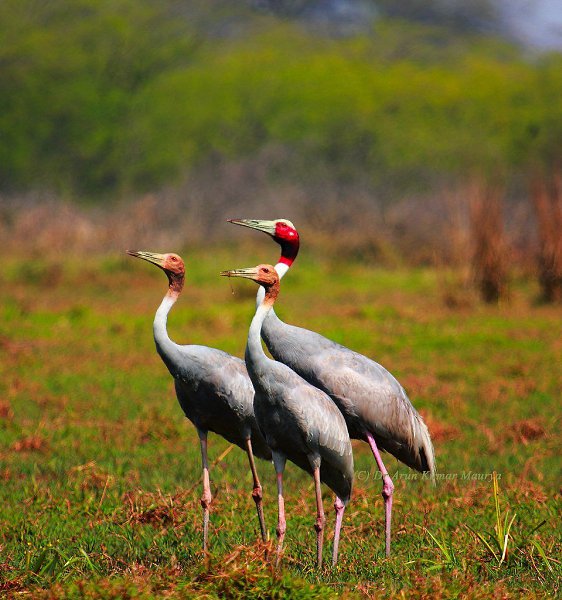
pixel 320 518
pixel 279 462
pixel 340 507
pixel 387 490
pixel 206 496
pixel 257 491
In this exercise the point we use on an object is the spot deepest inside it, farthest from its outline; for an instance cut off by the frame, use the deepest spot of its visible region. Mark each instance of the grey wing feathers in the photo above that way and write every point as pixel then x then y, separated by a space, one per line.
pixel 318 418
pixel 311 424
pixel 215 393
pixel 382 404
pixel 366 393
pixel 327 430
pixel 222 371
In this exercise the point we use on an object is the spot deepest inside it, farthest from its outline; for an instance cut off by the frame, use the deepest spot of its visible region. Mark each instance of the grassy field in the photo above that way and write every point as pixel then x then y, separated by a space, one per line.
pixel 100 471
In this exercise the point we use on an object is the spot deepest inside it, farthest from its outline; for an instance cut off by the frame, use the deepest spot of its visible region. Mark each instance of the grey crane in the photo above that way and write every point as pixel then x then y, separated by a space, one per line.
pixel 212 387
pixel 299 421
pixel 375 406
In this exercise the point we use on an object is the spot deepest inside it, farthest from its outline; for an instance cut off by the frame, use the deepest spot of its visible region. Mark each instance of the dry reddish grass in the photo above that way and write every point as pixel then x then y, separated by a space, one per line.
pixel 155 509
pixel 90 477
pixel 527 430
pixel 424 229
pixel 440 431
pixel 6 412
pixel 31 443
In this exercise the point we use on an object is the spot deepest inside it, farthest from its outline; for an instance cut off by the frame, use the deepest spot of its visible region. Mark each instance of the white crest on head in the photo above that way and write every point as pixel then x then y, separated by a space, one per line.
pixel 287 222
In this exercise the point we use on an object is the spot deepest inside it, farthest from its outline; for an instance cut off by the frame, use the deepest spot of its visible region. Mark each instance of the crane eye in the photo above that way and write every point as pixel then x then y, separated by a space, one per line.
pixel 173 259
pixel 265 270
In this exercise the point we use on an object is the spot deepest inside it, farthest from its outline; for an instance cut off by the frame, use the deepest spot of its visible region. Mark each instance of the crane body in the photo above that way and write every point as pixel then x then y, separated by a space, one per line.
pixel 364 391
pixel 373 403
pixel 213 389
pixel 298 421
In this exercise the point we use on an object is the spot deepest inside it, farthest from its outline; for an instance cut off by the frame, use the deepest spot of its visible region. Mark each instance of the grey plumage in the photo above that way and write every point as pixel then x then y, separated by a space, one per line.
pixel 375 406
pixel 299 421
pixel 369 397
pixel 212 387
pixel 302 422
pixel 216 394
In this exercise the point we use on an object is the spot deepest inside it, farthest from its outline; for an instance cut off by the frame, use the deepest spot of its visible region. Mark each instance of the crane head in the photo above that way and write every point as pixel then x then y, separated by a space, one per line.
pixel 172 264
pixel 169 263
pixel 281 230
pixel 265 275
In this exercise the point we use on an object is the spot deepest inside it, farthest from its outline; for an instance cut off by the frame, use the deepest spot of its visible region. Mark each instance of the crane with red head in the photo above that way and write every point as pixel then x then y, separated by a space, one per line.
pixel 375 406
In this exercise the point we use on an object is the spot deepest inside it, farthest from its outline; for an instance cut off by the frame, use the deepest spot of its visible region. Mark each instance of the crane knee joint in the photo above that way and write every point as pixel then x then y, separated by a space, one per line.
pixel 257 494
pixel 387 488
pixel 320 523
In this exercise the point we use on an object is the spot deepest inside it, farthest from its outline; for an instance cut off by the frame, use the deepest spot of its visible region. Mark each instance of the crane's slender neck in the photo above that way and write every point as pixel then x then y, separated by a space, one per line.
pixel 289 251
pixel 254 349
pixel 282 268
pixel 164 344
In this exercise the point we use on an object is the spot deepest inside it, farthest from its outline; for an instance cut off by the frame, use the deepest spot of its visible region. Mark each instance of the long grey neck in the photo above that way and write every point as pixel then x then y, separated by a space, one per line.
pixel 167 349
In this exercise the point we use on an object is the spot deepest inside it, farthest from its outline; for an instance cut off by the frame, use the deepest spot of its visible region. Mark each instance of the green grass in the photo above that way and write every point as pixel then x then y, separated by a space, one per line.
pixel 99 471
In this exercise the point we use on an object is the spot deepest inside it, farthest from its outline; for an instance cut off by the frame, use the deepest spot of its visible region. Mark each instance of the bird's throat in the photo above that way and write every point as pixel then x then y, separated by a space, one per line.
pixel 271 294
pixel 176 283
pixel 289 252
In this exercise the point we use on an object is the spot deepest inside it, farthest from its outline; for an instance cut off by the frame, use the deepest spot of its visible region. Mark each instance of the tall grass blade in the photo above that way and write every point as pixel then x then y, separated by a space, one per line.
pixel 543 555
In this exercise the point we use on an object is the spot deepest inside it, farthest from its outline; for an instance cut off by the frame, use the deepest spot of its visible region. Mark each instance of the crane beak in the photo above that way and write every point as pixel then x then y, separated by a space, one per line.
pixel 261 225
pixel 152 257
pixel 250 273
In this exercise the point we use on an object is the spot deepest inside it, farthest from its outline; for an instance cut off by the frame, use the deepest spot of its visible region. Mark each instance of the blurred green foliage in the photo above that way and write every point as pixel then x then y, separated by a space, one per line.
pixel 108 97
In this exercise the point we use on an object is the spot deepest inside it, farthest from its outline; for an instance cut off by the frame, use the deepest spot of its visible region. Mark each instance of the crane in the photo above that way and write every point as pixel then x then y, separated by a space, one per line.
pixel 212 387
pixel 375 406
pixel 299 421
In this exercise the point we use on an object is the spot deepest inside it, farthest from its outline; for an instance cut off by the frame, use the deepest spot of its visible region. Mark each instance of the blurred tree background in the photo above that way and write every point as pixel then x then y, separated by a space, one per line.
pixel 335 111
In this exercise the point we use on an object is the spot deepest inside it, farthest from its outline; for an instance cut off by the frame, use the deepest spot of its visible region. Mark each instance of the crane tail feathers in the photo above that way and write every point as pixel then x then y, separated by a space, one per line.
pixel 425 449
pixel 416 449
